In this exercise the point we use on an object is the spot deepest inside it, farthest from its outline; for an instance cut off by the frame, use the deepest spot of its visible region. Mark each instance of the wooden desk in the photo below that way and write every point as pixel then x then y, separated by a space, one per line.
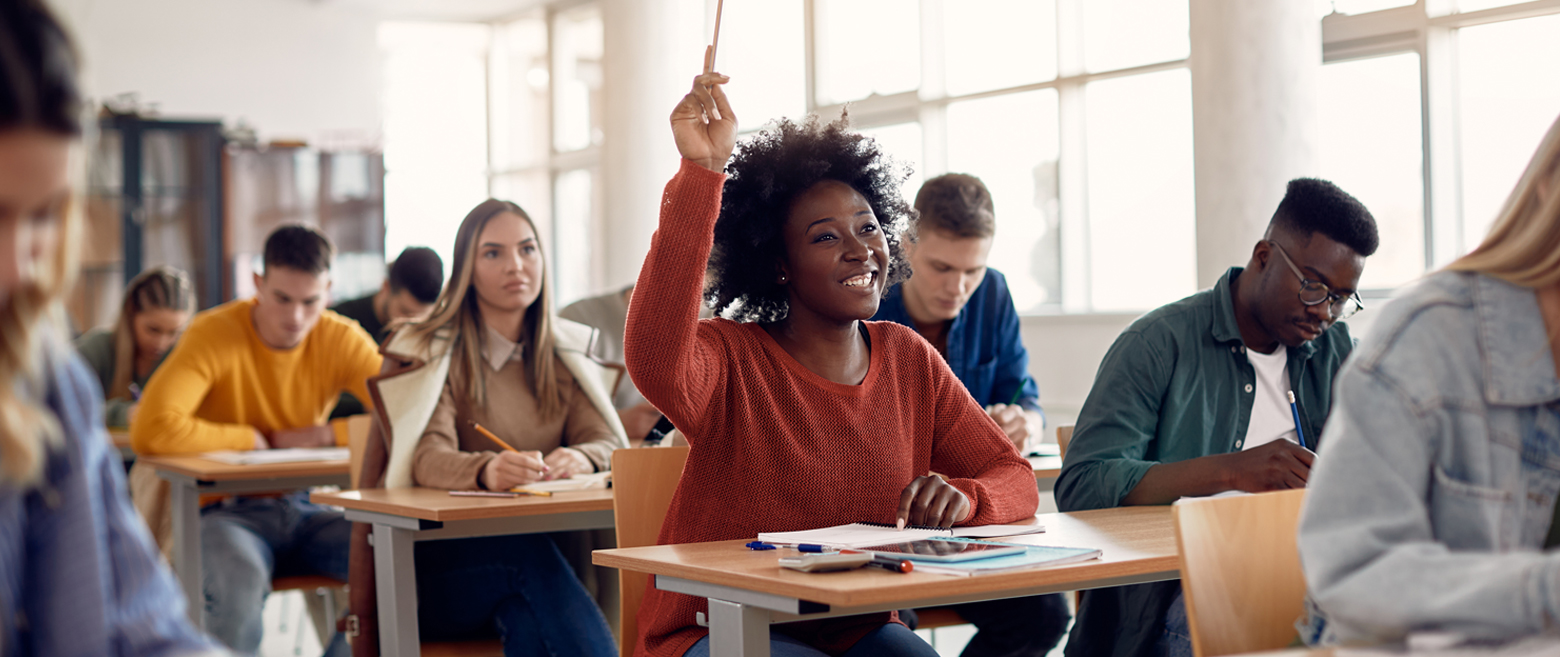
pixel 191 477
pixel 403 516
pixel 1047 469
pixel 747 590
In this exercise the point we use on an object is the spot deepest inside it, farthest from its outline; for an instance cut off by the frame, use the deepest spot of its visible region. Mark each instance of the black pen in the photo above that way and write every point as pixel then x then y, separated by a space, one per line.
pixel 890 563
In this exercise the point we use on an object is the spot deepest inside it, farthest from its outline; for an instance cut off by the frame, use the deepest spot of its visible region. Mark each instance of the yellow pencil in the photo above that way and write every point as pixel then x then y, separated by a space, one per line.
pixel 483 430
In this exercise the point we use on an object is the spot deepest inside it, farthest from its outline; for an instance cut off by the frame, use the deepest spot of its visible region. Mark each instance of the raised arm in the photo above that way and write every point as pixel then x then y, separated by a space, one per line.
pixel 671 366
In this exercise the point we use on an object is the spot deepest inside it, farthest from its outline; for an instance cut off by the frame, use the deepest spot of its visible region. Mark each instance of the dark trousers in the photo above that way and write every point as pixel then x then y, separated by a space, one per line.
pixel 1016 627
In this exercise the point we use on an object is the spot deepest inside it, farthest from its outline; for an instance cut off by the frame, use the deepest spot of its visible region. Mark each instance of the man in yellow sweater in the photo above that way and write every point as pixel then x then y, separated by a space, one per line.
pixel 256 374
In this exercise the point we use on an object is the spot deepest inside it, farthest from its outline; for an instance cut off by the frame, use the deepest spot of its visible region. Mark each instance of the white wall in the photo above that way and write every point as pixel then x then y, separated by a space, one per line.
pixel 292 69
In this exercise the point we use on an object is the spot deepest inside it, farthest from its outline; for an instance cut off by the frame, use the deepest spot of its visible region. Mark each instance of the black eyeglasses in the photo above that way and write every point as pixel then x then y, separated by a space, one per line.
pixel 1312 293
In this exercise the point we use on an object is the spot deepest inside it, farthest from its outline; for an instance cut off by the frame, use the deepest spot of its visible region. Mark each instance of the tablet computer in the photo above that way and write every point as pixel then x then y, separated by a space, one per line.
pixel 932 549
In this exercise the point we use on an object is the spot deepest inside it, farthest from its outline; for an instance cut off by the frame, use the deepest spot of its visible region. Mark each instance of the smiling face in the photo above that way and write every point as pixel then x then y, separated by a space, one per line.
pixel 507 275
pixel 836 254
pixel 1319 258
pixel 947 269
pixel 32 196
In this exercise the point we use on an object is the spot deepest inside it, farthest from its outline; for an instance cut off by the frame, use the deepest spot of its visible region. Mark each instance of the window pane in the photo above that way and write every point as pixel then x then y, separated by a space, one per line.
pixel 866 47
pixel 902 142
pixel 1126 33
pixel 530 190
pixel 1510 87
pixel 1010 143
pixel 573 223
pixel 990 44
pixel 577 46
pixel 519 98
pixel 764 52
pixel 1366 6
pixel 1465 6
pixel 1371 146
pixel 435 131
pixel 1142 235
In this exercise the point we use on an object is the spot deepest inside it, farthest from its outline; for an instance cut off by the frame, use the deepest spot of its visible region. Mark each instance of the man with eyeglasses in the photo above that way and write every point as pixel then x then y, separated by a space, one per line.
pixel 1194 398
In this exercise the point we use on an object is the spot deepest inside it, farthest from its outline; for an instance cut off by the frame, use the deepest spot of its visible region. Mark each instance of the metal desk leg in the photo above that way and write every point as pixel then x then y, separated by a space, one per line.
pixel 186 546
pixel 738 629
pixel 395 578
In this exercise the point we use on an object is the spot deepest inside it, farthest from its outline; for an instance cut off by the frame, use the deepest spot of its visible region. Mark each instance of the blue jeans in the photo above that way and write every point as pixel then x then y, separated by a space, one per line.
pixel 516 587
pixel 1177 639
pixel 890 639
pixel 246 541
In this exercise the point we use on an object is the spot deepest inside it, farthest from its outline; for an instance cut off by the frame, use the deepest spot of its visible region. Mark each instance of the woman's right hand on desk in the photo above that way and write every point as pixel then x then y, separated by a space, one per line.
pixel 703 124
pixel 509 469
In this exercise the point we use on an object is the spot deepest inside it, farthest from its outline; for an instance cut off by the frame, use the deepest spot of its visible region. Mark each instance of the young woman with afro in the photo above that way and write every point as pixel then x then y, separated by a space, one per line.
pixel 798 413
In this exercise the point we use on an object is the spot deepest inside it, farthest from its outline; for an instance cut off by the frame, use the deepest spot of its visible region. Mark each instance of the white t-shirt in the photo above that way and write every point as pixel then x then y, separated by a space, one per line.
pixel 1271 418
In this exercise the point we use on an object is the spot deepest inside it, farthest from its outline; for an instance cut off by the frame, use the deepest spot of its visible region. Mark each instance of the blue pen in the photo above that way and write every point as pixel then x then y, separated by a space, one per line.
pixel 759 545
pixel 1294 408
pixel 809 547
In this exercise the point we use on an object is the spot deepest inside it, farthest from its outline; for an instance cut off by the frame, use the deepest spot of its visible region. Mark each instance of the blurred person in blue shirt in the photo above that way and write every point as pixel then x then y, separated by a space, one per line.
pixel 78 573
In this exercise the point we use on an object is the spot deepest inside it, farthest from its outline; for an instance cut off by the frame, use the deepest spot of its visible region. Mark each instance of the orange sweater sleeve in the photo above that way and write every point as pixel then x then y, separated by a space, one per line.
pixel 358 360
pixel 981 462
pixel 675 363
pixel 166 423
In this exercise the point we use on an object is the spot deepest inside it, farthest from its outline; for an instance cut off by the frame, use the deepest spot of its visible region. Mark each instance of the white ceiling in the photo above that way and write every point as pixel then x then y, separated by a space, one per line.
pixel 452 10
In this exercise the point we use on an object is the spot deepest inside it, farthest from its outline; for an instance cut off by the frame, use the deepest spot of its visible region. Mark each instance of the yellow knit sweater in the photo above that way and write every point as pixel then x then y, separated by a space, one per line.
pixel 221 383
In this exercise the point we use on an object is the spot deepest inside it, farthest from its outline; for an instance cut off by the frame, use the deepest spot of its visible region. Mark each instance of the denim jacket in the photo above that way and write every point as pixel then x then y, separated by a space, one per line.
pixel 1430 505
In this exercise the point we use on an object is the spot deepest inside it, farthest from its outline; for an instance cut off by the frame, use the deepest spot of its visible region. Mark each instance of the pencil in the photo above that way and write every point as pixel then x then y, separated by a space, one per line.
pixel 1019 391
pixel 709 52
pixel 483 430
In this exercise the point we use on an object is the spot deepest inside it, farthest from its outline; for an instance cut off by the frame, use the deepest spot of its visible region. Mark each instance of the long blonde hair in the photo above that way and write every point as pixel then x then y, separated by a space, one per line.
pixel 457 310
pixel 1523 246
pixel 160 287
pixel 38 85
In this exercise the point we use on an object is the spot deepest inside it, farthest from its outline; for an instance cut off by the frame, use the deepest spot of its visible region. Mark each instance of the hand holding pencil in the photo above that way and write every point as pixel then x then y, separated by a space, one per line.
pixel 510 467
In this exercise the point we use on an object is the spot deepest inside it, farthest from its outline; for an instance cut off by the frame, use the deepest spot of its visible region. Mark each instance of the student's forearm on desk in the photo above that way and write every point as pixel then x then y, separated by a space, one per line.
pixel 1167 482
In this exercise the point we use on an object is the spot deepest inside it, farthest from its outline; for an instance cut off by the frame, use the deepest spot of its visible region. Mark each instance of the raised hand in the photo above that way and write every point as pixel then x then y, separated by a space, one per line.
pixel 703 124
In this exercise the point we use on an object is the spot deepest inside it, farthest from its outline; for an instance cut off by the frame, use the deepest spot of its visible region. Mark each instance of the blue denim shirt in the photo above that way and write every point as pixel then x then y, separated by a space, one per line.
pixel 78 573
pixel 985 349
pixel 1430 505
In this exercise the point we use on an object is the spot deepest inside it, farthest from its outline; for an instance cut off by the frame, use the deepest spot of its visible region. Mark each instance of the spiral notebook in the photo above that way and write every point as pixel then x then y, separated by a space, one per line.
pixel 862 534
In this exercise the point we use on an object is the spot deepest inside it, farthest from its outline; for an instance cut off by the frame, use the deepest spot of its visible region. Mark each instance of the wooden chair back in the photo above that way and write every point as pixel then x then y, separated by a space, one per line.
pixel 1063 437
pixel 357 441
pixel 1240 571
pixel 643 481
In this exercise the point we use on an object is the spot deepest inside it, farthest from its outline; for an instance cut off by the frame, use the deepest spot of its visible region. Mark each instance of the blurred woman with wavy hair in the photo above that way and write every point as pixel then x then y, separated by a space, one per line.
pixel 78 574
pixel 1434 505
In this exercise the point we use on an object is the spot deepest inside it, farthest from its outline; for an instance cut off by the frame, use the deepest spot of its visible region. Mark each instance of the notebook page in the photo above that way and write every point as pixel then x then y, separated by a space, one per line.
pixel 291 455
pixel 852 535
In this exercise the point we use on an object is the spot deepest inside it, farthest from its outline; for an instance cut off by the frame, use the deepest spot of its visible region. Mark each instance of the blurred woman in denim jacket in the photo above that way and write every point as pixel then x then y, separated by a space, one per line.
pixel 1434 505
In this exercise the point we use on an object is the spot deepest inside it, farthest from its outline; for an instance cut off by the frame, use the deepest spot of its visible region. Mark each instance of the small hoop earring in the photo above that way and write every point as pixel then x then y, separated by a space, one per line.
pixel 782 279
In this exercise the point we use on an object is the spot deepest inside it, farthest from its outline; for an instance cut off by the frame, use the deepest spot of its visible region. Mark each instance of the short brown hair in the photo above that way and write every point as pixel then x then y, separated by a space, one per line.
pixel 299 247
pixel 958 204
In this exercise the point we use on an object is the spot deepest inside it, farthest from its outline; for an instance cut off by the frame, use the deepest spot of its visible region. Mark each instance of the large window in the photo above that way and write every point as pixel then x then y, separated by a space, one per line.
pixel 1045 101
pixel 1430 111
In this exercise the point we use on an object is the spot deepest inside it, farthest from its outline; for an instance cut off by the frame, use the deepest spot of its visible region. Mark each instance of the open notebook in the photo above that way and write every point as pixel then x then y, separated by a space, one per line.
pixel 1033 556
pixel 862 534
pixel 293 455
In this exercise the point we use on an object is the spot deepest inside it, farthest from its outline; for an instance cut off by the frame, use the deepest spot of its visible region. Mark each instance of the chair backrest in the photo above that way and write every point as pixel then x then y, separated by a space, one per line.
pixel 1063 437
pixel 643 481
pixel 1240 571
pixel 357 440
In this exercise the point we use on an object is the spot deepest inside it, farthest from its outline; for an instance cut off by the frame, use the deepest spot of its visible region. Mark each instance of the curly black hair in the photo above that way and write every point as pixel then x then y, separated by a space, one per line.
pixel 1313 205
pixel 768 172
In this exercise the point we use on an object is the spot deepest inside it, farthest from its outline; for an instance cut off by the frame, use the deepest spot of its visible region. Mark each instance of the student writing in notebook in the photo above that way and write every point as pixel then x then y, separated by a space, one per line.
pixel 256 374
pixel 1193 398
pixel 156 307
pixel 492 354
pixel 800 414
pixel 78 573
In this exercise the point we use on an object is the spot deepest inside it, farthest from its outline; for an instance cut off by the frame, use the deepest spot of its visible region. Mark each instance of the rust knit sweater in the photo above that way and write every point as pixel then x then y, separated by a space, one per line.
pixel 775 447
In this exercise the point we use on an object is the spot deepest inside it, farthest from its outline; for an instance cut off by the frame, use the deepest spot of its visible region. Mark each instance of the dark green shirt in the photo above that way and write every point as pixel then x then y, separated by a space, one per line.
pixel 1176 385
pixel 97 349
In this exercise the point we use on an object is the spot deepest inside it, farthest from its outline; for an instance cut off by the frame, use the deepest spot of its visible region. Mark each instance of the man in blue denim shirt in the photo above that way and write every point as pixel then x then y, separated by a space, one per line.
pixel 1192 399
pixel 1434 506
pixel 963 308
